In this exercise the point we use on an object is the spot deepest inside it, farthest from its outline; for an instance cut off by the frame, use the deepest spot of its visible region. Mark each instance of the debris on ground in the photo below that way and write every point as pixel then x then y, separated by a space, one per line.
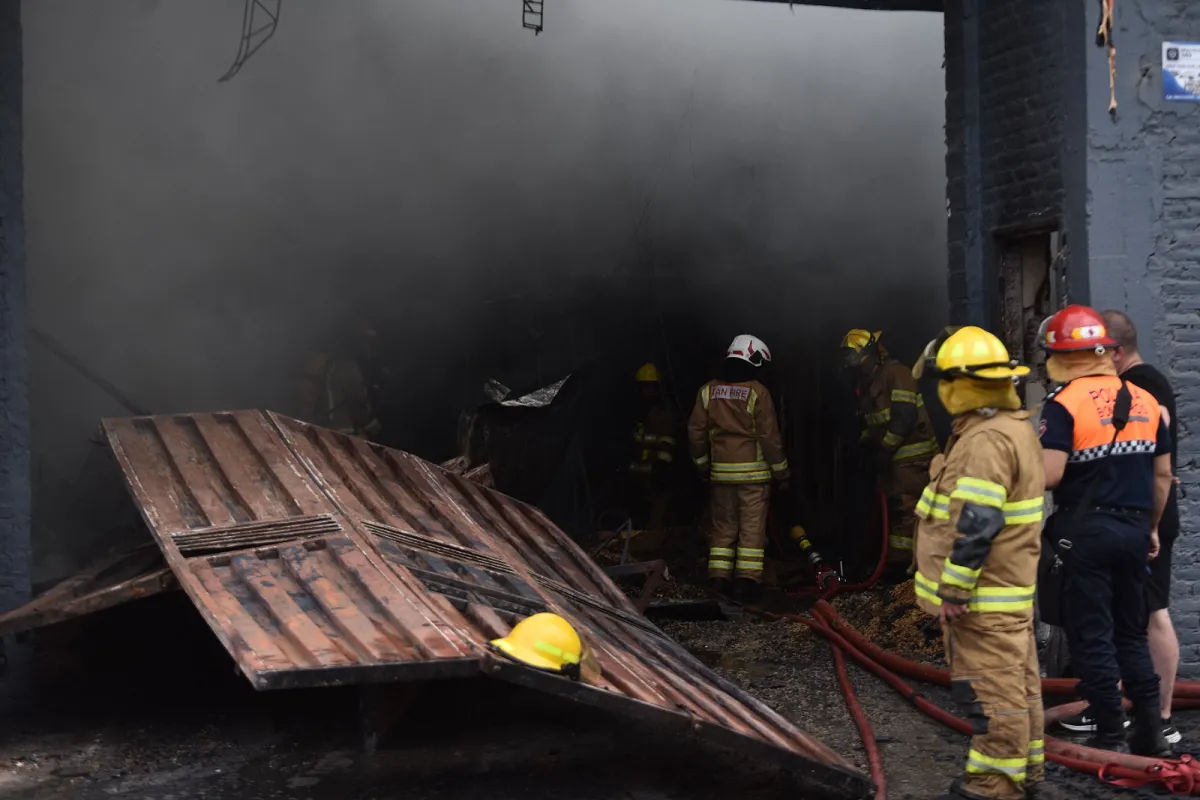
pixel 890 618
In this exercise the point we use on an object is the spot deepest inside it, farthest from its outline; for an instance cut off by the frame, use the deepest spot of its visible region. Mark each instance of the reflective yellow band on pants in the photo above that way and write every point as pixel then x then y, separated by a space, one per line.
pixel 900 542
pixel 720 559
pixel 983 598
pixel 748 472
pixel 1011 768
pixel 911 452
pixel 1037 751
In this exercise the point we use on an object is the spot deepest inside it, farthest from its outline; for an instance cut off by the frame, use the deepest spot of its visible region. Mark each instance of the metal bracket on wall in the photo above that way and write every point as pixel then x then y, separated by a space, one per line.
pixel 531 15
pixel 260 19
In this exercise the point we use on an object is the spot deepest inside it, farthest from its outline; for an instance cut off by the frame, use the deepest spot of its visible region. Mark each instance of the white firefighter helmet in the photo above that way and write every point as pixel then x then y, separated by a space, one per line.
pixel 750 349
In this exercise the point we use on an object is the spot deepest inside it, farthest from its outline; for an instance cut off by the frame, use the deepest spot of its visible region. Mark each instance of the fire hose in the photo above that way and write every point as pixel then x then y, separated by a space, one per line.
pixel 1179 776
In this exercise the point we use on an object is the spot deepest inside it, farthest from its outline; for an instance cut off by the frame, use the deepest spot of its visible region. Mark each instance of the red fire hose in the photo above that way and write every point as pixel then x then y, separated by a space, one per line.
pixel 1179 776
pixel 928 673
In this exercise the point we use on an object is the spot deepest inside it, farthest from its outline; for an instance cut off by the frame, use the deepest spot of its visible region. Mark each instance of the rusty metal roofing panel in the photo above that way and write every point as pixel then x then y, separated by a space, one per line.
pixel 319 559
pixel 110 581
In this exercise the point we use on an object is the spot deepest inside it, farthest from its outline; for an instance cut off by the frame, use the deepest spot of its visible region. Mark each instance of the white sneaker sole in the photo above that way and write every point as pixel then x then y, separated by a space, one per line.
pixel 1077 728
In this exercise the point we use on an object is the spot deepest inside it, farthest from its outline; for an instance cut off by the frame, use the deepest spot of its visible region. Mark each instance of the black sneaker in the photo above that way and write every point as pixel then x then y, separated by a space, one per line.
pixel 1171 733
pixel 1082 722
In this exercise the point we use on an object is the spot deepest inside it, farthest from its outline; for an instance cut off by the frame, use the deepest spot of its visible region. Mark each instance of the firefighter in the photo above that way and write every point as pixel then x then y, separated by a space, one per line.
pixel 897 437
pixel 1108 460
pixel 977 556
pixel 654 448
pixel 735 443
pixel 343 387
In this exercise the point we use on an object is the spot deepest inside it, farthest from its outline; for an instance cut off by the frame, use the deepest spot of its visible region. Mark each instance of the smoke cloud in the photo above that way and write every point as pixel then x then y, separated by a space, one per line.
pixel 643 179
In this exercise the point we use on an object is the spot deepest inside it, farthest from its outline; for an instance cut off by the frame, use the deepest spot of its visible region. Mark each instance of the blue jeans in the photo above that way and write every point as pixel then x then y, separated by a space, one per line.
pixel 1105 613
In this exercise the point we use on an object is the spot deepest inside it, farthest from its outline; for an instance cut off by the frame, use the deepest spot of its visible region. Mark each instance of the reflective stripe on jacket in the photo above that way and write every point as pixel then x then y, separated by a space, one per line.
pixel 909 435
pixel 733 433
pixel 653 442
pixel 994 462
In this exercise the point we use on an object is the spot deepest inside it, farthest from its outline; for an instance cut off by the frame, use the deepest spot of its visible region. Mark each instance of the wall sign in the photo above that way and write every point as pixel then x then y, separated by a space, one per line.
pixel 1181 71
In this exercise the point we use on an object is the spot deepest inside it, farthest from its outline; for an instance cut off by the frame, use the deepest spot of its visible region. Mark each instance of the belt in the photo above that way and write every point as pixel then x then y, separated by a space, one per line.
pixel 1125 510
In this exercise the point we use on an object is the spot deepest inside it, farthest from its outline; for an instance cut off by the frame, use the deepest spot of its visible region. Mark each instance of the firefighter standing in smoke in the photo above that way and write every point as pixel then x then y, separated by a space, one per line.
pixel 977 555
pixel 653 450
pixel 343 390
pixel 735 442
pixel 896 434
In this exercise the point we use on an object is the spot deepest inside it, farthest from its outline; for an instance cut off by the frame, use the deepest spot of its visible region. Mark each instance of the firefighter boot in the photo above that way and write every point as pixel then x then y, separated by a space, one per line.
pixel 747 591
pixel 1146 734
pixel 957 792
pixel 719 587
pixel 1110 735
pixel 1043 791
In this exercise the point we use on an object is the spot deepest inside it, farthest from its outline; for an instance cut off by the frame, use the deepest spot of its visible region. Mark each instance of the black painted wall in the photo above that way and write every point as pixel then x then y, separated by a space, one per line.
pixel 14 373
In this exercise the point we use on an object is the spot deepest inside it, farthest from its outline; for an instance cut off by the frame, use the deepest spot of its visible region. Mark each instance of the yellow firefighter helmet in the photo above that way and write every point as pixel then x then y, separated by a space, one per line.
pixel 647 373
pixel 544 641
pixel 969 352
pixel 857 338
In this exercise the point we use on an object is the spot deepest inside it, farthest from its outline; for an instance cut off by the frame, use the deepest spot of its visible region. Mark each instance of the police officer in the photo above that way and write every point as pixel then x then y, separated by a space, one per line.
pixel 978 545
pixel 1107 458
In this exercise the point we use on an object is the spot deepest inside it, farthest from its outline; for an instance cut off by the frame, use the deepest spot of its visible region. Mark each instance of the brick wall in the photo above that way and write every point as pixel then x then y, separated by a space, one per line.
pixel 14 376
pixel 1143 168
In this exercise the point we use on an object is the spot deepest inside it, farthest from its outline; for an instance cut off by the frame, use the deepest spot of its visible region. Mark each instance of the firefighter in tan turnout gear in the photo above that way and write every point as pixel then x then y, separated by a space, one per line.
pixel 977 556
pixel 735 443
pixel 339 391
pixel 653 456
pixel 896 434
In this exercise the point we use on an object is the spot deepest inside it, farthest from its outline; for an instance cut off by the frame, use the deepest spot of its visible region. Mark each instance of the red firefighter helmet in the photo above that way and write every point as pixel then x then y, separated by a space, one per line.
pixel 1073 329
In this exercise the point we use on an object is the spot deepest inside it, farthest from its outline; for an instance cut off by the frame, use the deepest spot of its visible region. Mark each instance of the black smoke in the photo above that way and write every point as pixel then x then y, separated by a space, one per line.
pixel 642 180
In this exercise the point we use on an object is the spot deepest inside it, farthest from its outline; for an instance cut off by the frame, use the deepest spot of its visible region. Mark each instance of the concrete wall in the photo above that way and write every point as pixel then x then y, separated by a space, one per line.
pixel 1143 178
pixel 14 374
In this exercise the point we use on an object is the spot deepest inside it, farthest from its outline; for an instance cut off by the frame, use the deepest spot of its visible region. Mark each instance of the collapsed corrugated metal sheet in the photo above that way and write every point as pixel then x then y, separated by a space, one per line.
pixel 109 582
pixel 322 559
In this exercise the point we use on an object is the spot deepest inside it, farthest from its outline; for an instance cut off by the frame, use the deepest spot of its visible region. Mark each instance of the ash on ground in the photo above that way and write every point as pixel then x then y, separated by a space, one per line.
pixel 165 716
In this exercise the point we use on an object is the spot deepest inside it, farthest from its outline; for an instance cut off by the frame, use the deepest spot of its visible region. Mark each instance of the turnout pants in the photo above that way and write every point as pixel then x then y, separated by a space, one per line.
pixel 738 536
pixel 995 678
pixel 903 487
pixel 1105 616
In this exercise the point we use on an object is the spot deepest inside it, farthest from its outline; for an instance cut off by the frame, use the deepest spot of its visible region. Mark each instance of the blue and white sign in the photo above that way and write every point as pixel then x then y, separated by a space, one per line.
pixel 1181 71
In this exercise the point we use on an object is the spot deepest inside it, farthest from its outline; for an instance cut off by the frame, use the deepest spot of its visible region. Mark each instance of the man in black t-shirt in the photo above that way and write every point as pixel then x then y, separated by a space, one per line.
pixel 1164 645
